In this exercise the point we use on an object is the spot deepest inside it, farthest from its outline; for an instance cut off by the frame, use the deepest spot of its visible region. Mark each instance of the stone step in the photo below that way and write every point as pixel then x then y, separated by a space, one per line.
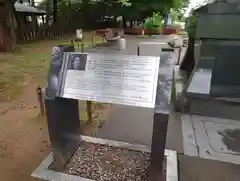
pixel 214 108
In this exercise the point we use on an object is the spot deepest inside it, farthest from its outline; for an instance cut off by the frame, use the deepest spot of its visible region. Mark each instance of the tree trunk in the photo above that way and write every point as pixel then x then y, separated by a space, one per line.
pixel 85 10
pixel 70 16
pixel 48 10
pixel 32 3
pixel 55 12
pixel 12 23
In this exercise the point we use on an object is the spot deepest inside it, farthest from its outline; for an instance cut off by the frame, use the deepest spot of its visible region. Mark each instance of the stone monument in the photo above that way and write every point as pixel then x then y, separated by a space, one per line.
pixel 119 79
pixel 216 55
pixel 211 121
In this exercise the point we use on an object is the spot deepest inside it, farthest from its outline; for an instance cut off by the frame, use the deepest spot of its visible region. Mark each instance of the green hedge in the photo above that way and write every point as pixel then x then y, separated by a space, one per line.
pixel 153 23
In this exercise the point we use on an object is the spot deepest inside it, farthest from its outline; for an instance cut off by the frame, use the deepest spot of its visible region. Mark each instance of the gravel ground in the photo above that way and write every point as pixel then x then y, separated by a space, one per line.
pixel 105 163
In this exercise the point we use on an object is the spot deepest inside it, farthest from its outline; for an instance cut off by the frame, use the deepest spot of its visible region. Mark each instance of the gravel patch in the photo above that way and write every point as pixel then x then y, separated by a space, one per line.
pixel 105 163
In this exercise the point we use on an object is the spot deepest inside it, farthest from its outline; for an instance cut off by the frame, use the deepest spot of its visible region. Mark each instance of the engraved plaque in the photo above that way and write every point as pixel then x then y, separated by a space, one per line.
pixel 119 79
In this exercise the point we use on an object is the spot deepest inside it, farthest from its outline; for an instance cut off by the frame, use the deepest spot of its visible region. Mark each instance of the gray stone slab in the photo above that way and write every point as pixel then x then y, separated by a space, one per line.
pixel 200 82
pixel 225 76
pixel 212 138
pixel 168 56
pixel 201 102
pixel 174 134
pixel 198 169
pixel 214 107
pixel 190 146
pixel 152 48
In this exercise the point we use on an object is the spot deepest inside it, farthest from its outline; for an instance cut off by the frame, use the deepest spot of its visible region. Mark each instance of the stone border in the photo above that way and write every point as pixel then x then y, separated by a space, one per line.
pixel 43 172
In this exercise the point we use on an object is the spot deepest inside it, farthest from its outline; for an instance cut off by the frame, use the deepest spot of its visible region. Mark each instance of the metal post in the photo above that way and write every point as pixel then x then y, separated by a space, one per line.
pixel 138 50
pixel 92 40
pixel 72 43
pixel 40 100
pixel 179 55
pixel 159 136
pixel 89 111
pixel 82 45
pixel 159 132
pixel 63 127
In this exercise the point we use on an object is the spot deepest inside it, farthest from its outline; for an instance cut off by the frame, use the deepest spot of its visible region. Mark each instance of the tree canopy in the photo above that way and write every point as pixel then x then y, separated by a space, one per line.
pixel 78 13
pixel 93 9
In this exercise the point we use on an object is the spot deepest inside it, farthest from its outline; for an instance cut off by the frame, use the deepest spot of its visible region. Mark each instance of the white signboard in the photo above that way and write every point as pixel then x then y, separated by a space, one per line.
pixel 119 18
pixel 79 34
pixel 119 79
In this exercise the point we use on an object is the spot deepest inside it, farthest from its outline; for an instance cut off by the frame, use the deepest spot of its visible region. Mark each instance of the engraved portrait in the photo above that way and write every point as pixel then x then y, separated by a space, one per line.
pixel 78 62
pixel 57 56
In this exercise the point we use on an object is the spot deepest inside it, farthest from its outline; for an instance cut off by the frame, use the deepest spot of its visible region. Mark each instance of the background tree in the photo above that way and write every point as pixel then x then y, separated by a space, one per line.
pixel 191 23
pixel 180 6
pixel 129 9
pixel 11 20
pixel 86 13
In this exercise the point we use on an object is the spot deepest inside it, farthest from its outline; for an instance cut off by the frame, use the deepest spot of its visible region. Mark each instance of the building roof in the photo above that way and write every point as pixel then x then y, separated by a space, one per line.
pixel 28 9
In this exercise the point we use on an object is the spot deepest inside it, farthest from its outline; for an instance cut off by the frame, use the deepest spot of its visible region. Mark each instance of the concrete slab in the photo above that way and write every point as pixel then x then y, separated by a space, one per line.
pixel 129 124
pixel 174 134
pixel 212 138
pixel 200 82
pixel 152 48
pixel 198 169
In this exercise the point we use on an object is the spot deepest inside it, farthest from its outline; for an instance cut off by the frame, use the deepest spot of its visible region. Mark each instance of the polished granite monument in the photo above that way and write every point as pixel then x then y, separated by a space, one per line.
pixel 210 125
pixel 215 74
pixel 129 80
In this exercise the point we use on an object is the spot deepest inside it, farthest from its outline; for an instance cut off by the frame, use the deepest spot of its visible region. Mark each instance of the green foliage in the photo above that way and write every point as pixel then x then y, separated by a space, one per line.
pixel 92 10
pixel 153 23
pixel 191 24
pixel 125 2
pixel 180 6
pixel 174 16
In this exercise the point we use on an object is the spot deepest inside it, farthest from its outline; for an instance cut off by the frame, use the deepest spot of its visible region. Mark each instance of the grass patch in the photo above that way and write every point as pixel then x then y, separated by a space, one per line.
pixel 30 61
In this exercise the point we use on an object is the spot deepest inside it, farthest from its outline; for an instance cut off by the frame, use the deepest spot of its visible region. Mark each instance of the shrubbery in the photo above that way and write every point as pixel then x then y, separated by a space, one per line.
pixel 153 23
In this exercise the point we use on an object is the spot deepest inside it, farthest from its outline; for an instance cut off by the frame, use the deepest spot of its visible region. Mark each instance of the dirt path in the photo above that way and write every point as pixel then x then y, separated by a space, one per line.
pixel 23 134
pixel 23 137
